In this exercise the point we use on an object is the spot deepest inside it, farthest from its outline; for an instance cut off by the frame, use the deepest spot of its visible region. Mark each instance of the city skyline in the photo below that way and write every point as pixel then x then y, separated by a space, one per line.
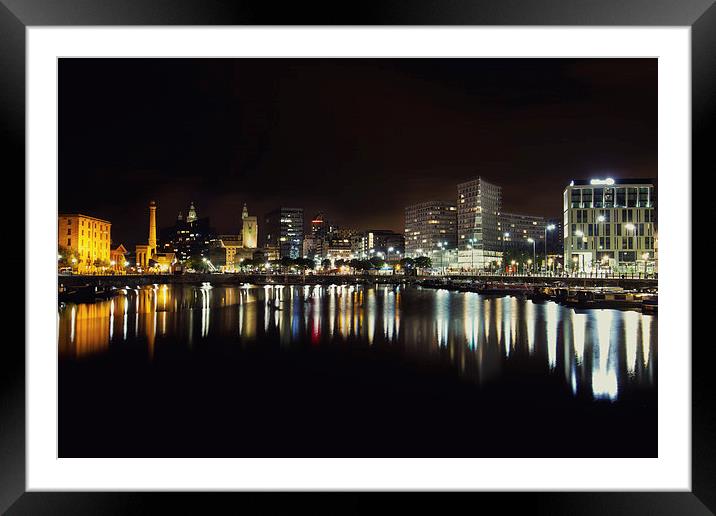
pixel 358 139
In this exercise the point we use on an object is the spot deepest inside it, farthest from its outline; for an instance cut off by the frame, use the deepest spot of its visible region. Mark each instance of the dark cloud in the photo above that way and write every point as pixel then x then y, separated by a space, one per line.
pixel 356 138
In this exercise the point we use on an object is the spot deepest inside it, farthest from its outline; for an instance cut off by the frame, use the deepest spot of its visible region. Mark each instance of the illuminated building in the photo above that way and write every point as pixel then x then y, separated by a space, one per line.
pixel 227 251
pixel 317 242
pixel 428 225
pixel 312 246
pixel 189 237
pixel 610 223
pixel 383 243
pixel 283 232
pixel 86 237
pixel 478 207
pixel 519 233
pixel 117 257
pixel 249 230
pixel 146 255
pixel 319 227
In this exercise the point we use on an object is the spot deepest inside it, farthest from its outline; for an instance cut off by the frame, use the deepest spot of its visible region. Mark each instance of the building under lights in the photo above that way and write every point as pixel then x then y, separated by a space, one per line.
pixel 610 224
pixel 516 229
pixel 430 225
pixel 381 243
pixel 189 237
pixel 478 209
pixel 283 232
pixel 87 237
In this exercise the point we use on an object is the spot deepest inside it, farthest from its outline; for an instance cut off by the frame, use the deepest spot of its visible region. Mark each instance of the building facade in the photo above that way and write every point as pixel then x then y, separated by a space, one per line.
pixel 610 224
pixel 515 229
pixel 189 237
pixel 249 229
pixel 87 238
pixel 283 232
pixel 118 258
pixel 523 236
pixel 430 225
pixel 478 208
pixel 382 243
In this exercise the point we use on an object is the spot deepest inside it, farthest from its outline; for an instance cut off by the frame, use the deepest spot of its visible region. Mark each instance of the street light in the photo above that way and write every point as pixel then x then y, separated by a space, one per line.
pixel 534 252
pixel 440 246
pixel 578 234
pixel 645 257
pixel 505 235
pixel 549 227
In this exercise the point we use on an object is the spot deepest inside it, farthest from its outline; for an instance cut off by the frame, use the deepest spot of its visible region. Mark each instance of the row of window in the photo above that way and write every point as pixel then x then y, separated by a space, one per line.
pixel 628 229
pixel 616 215
pixel 610 197
pixel 618 242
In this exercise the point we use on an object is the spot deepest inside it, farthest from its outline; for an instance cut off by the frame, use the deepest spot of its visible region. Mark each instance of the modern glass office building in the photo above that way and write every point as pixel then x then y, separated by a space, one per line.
pixel 610 224
pixel 283 234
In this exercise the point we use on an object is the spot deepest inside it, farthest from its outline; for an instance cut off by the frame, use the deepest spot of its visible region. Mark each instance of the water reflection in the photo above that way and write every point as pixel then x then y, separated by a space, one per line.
pixel 601 354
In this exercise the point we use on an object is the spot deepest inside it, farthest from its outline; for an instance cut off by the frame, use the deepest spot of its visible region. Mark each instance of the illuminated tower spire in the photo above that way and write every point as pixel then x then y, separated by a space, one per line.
pixel 191 216
pixel 244 212
pixel 152 228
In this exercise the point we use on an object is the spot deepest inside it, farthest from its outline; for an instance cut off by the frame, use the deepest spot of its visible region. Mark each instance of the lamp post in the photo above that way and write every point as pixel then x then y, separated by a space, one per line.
pixel 575 259
pixel 595 232
pixel 645 257
pixel 534 251
pixel 470 246
pixel 549 227
pixel 631 227
pixel 441 246
pixel 504 236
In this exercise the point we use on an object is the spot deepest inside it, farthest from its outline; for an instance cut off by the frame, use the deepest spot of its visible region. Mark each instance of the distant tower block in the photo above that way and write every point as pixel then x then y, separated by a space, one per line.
pixel 152 242
pixel 191 216
pixel 249 230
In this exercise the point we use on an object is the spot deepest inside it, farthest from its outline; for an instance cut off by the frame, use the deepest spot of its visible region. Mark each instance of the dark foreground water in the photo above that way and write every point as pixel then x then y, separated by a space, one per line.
pixel 352 371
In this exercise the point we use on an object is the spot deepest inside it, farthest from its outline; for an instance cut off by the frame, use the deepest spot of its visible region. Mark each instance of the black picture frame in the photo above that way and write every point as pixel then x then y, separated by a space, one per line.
pixel 17 15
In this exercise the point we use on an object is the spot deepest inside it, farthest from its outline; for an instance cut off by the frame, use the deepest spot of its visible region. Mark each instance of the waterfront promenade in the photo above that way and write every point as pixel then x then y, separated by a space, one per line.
pixel 328 279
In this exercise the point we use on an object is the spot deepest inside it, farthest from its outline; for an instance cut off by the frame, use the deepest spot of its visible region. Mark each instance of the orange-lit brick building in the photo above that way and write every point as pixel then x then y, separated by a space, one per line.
pixel 88 237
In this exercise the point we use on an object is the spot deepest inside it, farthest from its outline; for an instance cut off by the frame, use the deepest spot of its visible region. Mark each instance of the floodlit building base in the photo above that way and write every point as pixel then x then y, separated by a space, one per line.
pixel 479 260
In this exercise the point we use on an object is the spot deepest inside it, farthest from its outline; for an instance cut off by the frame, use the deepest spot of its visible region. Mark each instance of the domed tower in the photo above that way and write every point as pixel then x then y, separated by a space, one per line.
pixel 191 216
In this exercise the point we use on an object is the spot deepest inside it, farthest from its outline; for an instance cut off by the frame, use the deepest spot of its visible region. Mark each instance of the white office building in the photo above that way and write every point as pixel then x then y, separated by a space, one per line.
pixel 478 210
pixel 610 226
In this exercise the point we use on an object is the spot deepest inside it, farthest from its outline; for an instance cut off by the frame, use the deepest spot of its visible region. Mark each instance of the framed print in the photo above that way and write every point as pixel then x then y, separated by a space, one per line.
pixel 410 250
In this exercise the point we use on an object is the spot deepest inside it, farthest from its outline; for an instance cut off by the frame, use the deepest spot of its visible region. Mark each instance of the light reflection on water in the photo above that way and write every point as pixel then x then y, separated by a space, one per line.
pixel 600 354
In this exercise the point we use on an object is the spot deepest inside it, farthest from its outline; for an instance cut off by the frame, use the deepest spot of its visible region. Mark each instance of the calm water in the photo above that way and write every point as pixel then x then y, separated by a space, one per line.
pixel 352 370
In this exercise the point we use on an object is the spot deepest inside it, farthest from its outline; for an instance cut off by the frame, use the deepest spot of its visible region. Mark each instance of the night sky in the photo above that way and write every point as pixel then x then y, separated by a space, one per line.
pixel 358 139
